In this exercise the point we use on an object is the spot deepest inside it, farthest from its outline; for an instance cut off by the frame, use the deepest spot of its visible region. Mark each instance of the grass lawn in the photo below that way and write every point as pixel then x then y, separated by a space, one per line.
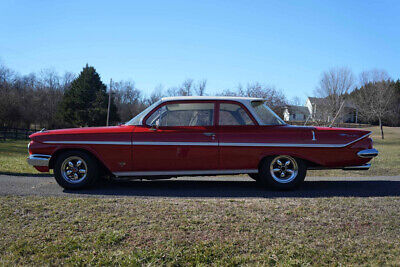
pixel 13 157
pixel 173 231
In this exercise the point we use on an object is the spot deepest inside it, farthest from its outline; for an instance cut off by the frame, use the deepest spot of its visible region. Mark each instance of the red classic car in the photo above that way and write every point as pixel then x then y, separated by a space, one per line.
pixel 181 136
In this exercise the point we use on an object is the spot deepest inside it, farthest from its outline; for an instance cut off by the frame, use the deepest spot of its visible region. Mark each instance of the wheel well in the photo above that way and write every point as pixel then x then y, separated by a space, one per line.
pixel 307 162
pixel 60 151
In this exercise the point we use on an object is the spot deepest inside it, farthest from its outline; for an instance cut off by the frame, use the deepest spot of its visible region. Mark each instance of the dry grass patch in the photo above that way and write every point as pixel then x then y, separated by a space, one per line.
pixel 136 231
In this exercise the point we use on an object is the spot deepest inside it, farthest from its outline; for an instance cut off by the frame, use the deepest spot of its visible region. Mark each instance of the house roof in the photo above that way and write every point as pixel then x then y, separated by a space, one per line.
pixel 322 101
pixel 317 100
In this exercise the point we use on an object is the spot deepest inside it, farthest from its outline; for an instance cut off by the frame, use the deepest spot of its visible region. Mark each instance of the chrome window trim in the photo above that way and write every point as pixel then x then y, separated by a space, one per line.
pixel 245 101
pixel 189 172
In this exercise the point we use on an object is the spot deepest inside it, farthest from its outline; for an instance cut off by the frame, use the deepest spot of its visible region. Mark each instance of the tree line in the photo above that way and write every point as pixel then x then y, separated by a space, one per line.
pixel 47 99
pixel 374 95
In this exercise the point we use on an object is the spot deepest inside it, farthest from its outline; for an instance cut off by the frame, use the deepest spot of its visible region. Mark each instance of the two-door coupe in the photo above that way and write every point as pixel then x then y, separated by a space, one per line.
pixel 181 136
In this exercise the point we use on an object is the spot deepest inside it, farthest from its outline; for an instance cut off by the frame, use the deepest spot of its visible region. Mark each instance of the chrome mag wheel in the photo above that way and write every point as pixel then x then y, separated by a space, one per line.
pixel 74 169
pixel 283 169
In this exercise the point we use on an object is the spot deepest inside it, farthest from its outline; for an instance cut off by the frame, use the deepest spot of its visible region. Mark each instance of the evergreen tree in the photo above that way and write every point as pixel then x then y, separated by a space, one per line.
pixel 85 103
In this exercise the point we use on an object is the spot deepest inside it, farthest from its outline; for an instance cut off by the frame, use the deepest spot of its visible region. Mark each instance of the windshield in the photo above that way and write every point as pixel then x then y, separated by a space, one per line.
pixel 267 116
pixel 137 120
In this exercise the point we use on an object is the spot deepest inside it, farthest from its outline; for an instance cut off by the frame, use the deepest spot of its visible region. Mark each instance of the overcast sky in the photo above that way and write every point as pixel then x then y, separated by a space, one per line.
pixel 286 44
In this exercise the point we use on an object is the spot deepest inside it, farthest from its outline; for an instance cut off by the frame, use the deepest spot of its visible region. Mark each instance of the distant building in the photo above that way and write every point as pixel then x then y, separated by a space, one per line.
pixel 295 113
pixel 318 110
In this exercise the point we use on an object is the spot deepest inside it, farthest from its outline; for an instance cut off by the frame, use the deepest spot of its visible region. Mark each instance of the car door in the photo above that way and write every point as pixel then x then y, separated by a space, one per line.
pixel 177 136
pixel 236 127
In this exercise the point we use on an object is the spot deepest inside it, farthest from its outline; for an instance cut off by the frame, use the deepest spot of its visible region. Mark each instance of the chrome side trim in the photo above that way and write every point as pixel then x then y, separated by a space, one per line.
pixel 38 160
pixel 354 168
pixel 89 142
pixel 175 143
pixel 368 153
pixel 150 143
pixel 358 139
pixel 280 145
pixel 182 173
pixel 313 136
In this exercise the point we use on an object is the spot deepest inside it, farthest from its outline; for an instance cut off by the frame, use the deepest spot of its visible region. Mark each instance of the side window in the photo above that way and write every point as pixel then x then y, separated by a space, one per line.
pixel 233 114
pixel 183 114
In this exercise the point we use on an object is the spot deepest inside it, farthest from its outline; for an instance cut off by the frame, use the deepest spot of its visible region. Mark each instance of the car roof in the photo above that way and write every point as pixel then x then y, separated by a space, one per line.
pixel 234 98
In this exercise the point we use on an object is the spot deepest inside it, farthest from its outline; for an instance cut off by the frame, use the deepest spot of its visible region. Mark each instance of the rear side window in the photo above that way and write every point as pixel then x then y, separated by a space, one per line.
pixel 233 114
pixel 183 114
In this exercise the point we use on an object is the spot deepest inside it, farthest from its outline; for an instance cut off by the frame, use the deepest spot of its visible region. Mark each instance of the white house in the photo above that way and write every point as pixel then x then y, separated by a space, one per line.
pixel 318 111
pixel 295 113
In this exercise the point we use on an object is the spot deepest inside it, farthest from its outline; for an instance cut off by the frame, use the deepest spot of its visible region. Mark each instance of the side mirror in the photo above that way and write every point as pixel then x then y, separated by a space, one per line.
pixel 155 125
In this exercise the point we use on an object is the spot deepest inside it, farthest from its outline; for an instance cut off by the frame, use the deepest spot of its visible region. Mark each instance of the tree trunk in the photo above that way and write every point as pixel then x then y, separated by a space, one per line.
pixel 381 126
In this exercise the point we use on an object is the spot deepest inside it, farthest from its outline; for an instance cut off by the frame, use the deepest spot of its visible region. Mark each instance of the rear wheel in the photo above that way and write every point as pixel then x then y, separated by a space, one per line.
pixel 75 170
pixel 282 172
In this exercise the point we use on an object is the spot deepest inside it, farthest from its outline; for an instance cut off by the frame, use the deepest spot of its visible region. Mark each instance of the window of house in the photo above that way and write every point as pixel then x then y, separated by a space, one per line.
pixel 233 114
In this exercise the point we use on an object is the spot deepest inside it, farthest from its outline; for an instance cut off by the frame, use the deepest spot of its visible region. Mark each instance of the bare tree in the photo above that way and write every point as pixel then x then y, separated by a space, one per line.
pixel 156 95
pixel 128 99
pixel 184 90
pixel 333 87
pixel 296 101
pixel 374 98
pixel 200 87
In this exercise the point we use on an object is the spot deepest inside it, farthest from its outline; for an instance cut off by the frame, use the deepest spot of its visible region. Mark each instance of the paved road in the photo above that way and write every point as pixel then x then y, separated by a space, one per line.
pixel 216 187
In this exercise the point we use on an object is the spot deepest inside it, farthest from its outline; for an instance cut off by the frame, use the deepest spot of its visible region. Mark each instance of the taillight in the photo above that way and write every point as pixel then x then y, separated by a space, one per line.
pixel 29 151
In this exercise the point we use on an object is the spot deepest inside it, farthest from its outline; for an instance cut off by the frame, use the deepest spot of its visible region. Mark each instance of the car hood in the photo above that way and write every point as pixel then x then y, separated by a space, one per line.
pixel 85 131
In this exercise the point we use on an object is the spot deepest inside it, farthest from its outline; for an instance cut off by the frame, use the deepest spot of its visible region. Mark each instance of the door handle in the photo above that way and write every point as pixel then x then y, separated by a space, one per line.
pixel 212 135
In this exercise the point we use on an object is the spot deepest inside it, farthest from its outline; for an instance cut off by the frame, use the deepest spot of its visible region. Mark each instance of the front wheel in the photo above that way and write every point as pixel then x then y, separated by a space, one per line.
pixel 282 172
pixel 75 170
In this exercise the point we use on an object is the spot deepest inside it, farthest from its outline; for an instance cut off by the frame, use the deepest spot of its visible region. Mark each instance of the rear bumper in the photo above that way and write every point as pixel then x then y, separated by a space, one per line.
pixel 39 160
pixel 368 153
pixel 355 168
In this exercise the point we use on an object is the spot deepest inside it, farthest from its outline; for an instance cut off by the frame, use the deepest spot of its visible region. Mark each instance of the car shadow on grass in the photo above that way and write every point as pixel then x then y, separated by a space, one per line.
pixel 241 189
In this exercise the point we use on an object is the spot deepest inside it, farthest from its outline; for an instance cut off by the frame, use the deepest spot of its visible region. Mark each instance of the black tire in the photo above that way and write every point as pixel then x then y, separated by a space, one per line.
pixel 254 176
pixel 294 173
pixel 82 181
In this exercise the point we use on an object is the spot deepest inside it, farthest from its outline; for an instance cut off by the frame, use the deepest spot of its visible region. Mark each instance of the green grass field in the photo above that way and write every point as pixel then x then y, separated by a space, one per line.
pixel 173 231
pixel 13 157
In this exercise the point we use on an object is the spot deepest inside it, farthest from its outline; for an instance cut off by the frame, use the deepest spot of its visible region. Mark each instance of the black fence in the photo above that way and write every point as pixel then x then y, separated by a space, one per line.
pixel 15 133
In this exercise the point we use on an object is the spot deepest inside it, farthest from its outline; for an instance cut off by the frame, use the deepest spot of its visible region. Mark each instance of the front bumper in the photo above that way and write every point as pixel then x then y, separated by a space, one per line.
pixel 39 160
pixel 368 153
